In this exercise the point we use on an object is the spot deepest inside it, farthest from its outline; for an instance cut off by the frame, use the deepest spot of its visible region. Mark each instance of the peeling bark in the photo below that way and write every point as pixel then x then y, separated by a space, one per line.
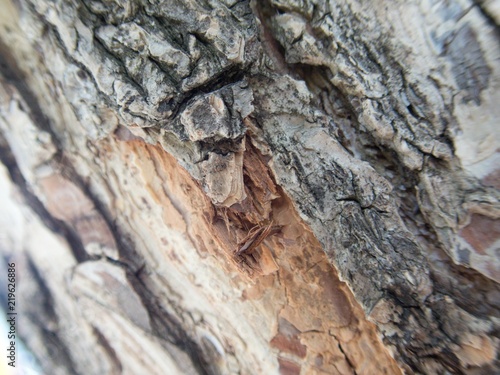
pixel 144 144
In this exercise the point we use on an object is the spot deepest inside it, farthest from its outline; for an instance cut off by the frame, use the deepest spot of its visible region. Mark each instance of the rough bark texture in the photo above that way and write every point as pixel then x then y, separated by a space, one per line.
pixel 141 142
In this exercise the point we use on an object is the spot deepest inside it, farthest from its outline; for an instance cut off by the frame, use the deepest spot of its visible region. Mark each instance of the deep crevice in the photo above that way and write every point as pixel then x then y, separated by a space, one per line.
pixel 225 78
pixel 55 225
pixel 167 327
pixel 109 350
pixel 42 315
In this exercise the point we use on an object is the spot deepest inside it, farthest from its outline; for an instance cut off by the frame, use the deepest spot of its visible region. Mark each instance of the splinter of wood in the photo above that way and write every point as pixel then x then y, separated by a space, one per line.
pixel 255 237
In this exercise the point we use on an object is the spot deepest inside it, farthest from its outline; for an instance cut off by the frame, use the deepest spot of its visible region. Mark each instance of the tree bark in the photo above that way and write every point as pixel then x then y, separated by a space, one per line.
pixel 253 187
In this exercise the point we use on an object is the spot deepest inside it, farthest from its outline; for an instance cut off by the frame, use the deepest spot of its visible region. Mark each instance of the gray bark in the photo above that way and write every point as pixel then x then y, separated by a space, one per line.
pixel 141 142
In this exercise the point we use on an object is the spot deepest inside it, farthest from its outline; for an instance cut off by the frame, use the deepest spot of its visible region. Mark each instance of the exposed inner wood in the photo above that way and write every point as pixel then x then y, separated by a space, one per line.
pixel 241 187
pixel 316 323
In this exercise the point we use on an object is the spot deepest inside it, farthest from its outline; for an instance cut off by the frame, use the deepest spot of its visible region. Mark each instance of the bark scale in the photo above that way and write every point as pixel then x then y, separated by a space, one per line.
pixel 142 141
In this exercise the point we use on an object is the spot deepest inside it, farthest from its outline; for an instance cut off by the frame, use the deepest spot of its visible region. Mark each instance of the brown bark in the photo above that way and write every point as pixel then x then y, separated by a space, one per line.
pixel 145 145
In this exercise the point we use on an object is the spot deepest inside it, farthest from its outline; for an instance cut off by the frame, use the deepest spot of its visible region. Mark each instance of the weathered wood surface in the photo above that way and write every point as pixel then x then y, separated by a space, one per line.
pixel 142 140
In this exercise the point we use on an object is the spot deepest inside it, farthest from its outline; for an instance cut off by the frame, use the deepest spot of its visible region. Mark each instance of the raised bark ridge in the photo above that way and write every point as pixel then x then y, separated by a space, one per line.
pixel 366 126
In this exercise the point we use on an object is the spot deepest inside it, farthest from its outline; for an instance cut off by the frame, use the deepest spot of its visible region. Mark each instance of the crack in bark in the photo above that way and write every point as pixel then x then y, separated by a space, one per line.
pixel 109 351
pixel 168 327
pixel 56 226
pixel 41 315
pixel 358 210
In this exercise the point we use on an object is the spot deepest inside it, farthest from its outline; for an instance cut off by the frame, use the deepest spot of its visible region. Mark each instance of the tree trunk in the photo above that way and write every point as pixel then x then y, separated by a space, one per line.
pixel 252 187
